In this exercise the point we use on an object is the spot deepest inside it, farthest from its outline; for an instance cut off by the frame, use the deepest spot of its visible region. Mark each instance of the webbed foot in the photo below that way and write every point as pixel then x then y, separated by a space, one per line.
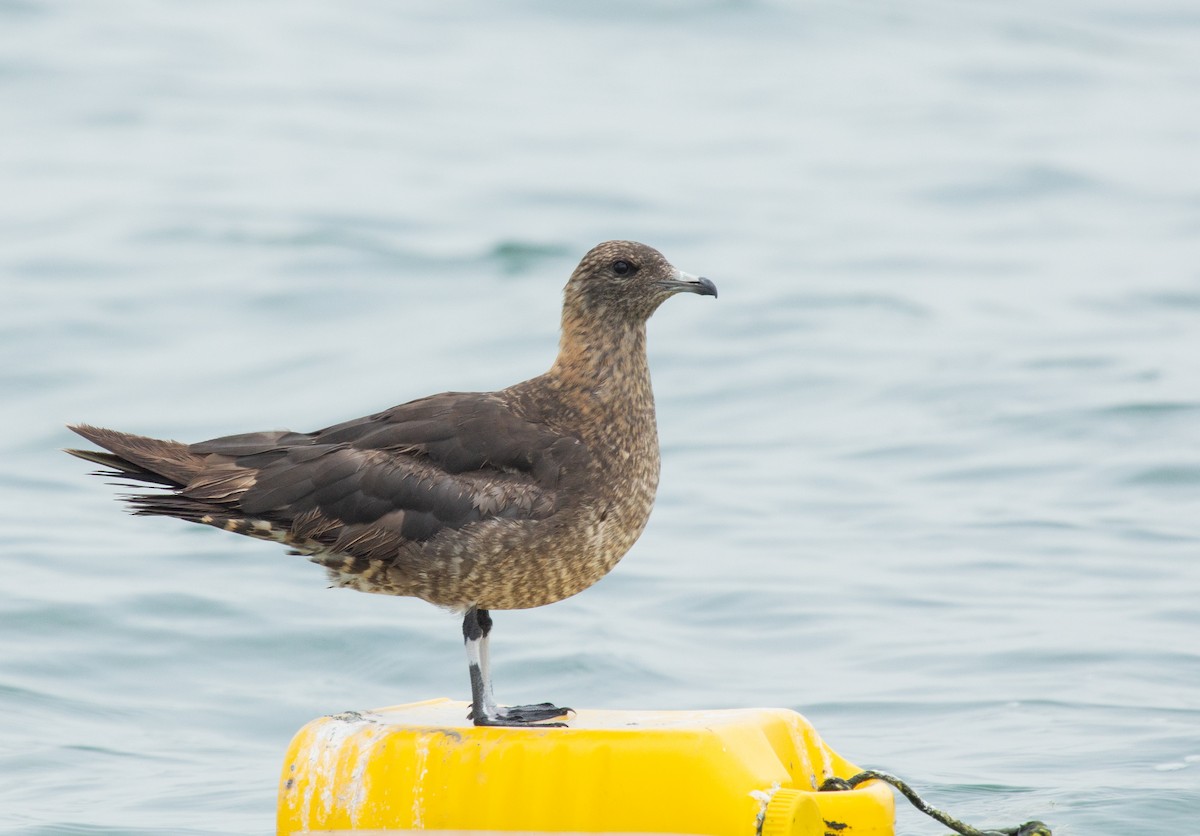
pixel 521 715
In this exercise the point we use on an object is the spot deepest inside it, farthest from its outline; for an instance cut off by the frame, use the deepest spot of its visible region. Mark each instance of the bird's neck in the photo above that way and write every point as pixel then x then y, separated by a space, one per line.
pixel 602 360
pixel 601 380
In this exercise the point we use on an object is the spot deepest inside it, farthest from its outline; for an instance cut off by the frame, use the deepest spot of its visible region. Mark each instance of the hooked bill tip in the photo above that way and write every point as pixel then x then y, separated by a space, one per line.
pixel 705 287
pixel 692 284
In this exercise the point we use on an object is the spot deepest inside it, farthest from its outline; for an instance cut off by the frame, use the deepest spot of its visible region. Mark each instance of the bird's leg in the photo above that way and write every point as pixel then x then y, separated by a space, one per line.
pixel 477 624
pixel 485 666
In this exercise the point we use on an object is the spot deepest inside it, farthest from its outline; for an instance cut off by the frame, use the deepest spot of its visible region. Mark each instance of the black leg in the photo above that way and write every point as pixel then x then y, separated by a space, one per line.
pixel 477 624
pixel 473 640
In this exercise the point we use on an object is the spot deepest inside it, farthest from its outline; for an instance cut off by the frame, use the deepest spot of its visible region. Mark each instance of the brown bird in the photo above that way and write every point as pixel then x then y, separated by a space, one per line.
pixel 474 501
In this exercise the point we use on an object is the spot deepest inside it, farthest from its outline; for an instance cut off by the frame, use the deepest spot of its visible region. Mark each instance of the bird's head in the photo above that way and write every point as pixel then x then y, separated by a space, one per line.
pixel 628 280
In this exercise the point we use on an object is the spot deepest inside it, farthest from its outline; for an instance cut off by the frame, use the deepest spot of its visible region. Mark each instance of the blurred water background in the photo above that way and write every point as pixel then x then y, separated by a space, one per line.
pixel 931 462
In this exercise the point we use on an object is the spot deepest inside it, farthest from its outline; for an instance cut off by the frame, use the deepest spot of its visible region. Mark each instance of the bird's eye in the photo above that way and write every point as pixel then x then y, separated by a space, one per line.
pixel 623 268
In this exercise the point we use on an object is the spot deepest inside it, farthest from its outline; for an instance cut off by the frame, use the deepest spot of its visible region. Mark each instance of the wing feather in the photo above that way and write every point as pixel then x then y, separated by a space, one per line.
pixel 406 474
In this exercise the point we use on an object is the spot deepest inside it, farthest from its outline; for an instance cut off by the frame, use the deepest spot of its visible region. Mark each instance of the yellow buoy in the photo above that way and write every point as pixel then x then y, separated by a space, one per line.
pixel 423 766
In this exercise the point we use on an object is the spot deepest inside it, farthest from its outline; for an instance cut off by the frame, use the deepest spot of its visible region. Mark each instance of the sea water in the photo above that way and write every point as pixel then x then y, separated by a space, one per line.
pixel 931 462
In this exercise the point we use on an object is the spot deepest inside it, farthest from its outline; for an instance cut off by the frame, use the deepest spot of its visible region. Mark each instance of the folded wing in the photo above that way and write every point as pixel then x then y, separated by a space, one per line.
pixel 362 488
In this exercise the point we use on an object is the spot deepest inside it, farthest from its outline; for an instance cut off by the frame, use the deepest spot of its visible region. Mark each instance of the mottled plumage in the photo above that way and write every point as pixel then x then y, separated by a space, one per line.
pixel 474 501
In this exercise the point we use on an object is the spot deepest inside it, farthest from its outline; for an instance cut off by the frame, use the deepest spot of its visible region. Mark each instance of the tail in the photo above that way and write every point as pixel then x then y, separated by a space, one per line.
pixel 197 489
pixel 138 458
pixel 201 487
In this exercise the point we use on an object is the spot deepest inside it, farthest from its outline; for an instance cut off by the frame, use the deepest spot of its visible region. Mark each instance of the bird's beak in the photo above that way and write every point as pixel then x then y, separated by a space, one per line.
pixel 686 282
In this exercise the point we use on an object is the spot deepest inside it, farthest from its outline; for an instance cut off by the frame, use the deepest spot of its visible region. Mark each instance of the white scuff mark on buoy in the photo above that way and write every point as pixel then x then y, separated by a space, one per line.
pixel 355 794
pixel 763 797
pixel 826 762
pixel 800 741
pixel 321 766
pixel 421 768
